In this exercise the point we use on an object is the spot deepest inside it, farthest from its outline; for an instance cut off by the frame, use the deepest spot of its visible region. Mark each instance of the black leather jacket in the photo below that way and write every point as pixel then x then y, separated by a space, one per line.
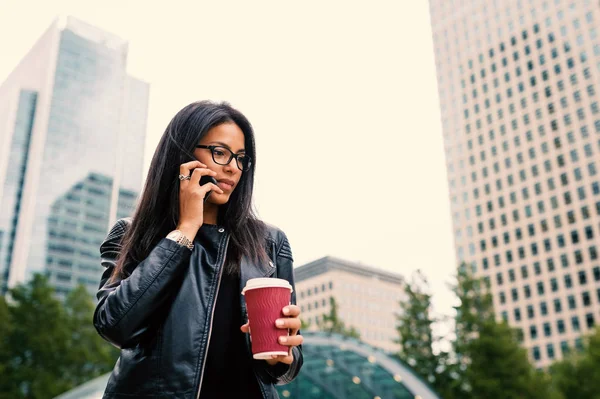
pixel 160 316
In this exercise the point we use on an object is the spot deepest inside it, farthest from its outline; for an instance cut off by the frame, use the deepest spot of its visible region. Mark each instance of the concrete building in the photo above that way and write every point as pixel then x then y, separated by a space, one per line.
pixel 69 112
pixel 518 88
pixel 368 299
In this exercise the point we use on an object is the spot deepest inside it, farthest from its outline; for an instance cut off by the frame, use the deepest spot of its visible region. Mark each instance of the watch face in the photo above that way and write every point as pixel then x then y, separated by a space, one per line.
pixel 175 235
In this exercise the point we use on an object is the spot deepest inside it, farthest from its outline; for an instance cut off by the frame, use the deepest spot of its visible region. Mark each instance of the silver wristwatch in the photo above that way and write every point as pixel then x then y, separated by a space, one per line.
pixel 180 238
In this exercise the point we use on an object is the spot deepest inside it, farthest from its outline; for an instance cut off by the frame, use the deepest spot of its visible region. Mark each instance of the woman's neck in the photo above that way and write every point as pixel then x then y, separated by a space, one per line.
pixel 211 211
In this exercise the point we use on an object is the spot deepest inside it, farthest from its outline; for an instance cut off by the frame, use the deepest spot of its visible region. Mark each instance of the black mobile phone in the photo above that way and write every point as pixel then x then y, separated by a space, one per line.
pixel 207 179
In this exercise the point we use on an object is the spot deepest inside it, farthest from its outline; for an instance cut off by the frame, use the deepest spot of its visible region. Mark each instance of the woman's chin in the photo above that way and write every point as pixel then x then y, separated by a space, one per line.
pixel 218 199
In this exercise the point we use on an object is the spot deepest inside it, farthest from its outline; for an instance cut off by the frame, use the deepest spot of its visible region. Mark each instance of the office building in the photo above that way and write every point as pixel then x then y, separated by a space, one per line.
pixel 519 100
pixel 368 299
pixel 71 120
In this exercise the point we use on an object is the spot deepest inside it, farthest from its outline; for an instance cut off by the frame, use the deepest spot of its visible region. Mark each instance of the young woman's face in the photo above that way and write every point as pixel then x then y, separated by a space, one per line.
pixel 228 138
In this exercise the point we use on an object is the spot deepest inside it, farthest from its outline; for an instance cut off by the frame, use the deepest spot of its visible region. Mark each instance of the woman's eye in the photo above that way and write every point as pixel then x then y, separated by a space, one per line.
pixel 218 153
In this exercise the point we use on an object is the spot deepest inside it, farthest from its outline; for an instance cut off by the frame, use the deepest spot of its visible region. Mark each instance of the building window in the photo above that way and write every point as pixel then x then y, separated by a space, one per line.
pixel 575 323
pixel 560 326
pixel 589 320
pixel 557 306
pixel 533 332
pixel 586 298
pixel 540 288
pixel 564 347
pixel 543 308
pixel 517 313
pixel 582 277
pixel 568 281
pixel 578 257
pixel 572 302
pixel 530 312
pixel 550 351
pixel 536 353
pixel 547 330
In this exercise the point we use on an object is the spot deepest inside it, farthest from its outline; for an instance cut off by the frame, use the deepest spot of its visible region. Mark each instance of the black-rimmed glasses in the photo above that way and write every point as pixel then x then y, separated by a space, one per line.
pixel 223 156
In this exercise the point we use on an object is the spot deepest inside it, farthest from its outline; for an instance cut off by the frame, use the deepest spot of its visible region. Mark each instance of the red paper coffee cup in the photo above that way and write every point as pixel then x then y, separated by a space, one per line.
pixel 265 300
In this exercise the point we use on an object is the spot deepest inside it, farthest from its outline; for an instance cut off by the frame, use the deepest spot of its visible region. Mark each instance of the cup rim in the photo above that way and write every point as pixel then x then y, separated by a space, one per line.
pixel 266 282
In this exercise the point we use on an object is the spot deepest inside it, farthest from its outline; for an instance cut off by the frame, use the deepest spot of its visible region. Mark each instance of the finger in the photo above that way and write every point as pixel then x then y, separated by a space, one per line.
pixel 291 341
pixel 289 359
pixel 186 168
pixel 197 173
pixel 245 328
pixel 210 187
pixel 291 310
pixel 292 323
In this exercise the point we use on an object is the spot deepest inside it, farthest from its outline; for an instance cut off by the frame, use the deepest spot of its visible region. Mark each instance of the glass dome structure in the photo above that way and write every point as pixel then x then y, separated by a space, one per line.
pixel 334 368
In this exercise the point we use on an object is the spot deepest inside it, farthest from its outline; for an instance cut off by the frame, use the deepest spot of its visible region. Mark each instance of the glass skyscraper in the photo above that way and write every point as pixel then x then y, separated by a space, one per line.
pixel 72 136
pixel 518 87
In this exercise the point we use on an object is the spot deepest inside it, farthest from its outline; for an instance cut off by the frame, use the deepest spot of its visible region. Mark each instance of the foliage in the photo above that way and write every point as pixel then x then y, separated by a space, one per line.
pixel 48 347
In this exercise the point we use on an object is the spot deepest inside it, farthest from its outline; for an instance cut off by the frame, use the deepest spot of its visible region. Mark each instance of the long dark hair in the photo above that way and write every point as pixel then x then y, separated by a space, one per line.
pixel 157 212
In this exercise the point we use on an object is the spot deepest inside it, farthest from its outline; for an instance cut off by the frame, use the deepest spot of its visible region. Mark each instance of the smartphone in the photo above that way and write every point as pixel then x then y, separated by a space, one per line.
pixel 207 179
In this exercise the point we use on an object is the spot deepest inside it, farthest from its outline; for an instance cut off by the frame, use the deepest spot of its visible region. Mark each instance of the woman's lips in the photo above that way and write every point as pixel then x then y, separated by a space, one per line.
pixel 224 186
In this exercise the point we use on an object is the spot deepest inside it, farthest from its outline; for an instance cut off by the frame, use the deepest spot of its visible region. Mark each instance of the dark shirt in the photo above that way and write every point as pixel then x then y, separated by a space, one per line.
pixel 228 372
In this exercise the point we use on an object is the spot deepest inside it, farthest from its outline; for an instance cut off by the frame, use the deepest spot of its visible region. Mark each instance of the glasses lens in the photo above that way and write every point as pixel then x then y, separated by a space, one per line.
pixel 221 155
pixel 243 162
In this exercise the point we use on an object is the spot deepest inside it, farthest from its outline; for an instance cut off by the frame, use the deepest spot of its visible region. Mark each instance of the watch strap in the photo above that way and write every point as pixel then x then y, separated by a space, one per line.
pixel 181 239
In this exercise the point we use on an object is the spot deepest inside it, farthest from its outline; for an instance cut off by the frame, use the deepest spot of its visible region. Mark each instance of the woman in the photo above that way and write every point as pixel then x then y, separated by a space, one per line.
pixel 170 297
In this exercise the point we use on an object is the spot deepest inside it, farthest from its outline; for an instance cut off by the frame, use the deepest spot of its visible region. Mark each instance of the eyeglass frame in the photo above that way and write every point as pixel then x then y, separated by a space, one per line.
pixel 212 153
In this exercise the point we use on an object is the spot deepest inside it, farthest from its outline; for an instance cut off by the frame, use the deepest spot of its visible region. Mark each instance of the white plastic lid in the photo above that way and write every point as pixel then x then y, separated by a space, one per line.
pixel 266 282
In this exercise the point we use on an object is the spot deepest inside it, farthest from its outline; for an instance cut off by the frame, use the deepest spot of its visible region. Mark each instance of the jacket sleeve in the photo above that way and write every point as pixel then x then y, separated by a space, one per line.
pixel 125 306
pixel 282 373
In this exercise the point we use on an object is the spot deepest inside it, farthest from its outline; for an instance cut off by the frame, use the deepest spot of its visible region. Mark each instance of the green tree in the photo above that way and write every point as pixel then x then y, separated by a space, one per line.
pixel 491 362
pixel 332 324
pixel 5 330
pixel 578 375
pixel 49 346
pixel 90 356
pixel 415 331
pixel 414 326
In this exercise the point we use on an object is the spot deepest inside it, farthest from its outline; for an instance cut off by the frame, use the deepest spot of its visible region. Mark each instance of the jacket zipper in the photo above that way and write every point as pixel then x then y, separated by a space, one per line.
pixel 212 314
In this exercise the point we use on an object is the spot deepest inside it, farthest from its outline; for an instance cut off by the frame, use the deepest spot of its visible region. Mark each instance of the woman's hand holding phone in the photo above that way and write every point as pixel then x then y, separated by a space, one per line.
pixel 192 196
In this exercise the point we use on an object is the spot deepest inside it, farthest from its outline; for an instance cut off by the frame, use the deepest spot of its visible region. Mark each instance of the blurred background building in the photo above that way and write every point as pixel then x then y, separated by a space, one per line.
pixel 368 299
pixel 519 100
pixel 72 137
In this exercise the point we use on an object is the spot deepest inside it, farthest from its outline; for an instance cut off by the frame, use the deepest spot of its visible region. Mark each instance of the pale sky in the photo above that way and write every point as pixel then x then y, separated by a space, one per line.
pixel 342 96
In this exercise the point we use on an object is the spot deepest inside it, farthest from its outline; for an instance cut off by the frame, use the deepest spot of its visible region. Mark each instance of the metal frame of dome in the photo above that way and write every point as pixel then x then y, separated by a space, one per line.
pixel 335 367
pixel 339 367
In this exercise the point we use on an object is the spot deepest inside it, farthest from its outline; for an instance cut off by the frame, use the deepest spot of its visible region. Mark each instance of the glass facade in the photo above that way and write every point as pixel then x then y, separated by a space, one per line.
pixel 10 201
pixel 92 133
pixel 76 228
